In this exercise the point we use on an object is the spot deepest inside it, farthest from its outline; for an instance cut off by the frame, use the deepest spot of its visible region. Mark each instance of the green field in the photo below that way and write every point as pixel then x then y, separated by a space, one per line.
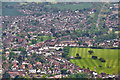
pixel 43 38
pixel 110 55
pixel 71 7
pixel 10 11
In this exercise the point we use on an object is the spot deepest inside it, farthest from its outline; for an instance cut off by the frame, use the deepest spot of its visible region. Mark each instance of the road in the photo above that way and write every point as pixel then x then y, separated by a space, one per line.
pixel 98 20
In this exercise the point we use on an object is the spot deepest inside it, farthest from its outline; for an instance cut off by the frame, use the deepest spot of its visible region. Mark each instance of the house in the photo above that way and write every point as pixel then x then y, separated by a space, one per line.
pixel 13 74
pixel 89 45
pixel 32 70
pixel 15 62
pixel 38 71
pixel 17 52
pixel 95 73
pixel 57 48
pixel 56 45
pixel 23 66
pixel 58 76
pixel 23 63
pixel 19 40
pixel 71 57
pixel 73 44
pixel 38 52
pixel 43 72
pixel 7 53
pixel 116 44
pixel 46 48
pixel 52 47
pixel 38 63
pixel 29 66
pixel 111 76
pixel 65 44
pixel 14 67
pixel 40 49
pixel 49 71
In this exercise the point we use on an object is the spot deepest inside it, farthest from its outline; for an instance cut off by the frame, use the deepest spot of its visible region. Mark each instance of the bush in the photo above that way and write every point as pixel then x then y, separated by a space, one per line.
pixel 102 60
pixel 100 66
pixel 94 57
pixel 78 57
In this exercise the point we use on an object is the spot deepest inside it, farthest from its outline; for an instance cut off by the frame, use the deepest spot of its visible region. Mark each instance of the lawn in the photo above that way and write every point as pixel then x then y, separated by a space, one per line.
pixel 43 38
pixel 110 55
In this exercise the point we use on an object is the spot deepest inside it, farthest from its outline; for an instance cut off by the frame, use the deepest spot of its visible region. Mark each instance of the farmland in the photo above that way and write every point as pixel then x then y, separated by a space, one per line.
pixel 110 55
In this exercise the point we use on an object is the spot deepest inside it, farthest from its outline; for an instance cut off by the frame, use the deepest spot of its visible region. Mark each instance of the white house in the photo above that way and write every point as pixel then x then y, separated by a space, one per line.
pixel 95 73
pixel 47 54
pixel 57 48
pixel 38 71
pixel 52 47
pixel 41 49
pixel 32 70
pixel 43 72
pixel 17 52
pixel 46 48
pixel 23 63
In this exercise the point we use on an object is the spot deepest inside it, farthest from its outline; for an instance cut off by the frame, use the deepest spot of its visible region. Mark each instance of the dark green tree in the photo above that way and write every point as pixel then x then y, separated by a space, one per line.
pixel 41 38
pixel 79 42
pixel 6 75
pixel 79 75
pixel 63 71
pixel 77 54
pixel 34 41
pixel 90 52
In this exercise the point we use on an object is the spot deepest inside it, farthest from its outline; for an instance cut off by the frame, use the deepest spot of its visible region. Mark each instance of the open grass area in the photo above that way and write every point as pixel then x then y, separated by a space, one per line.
pixel 42 38
pixel 110 55
pixel 71 7
pixel 10 11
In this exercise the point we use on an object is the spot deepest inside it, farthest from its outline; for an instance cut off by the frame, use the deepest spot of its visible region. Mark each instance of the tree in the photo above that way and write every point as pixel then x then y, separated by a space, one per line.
pixel 77 55
pixel 53 31
pixel 34 54
pixel 66 51
pixel 21 49
pixel 6 75
pixel 69 72
pixel 41 38
pixel 4 57
pixel 79 75
pixel 79 42
pixel 60 49
pixel 50 37
pixel 34 41
pixel 102 60
pixel 12 54
pixel 90 52
pixel 17 77
pixel 64 71
pixel 94 57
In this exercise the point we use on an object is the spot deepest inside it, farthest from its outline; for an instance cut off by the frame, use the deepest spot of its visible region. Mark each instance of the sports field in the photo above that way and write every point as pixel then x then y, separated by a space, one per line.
pixel 110 55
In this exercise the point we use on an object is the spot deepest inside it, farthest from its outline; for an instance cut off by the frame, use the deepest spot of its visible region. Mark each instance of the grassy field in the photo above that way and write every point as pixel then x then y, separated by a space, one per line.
pixel 10 11
pixel 71 7
pixel 43 38
pixel 110 55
